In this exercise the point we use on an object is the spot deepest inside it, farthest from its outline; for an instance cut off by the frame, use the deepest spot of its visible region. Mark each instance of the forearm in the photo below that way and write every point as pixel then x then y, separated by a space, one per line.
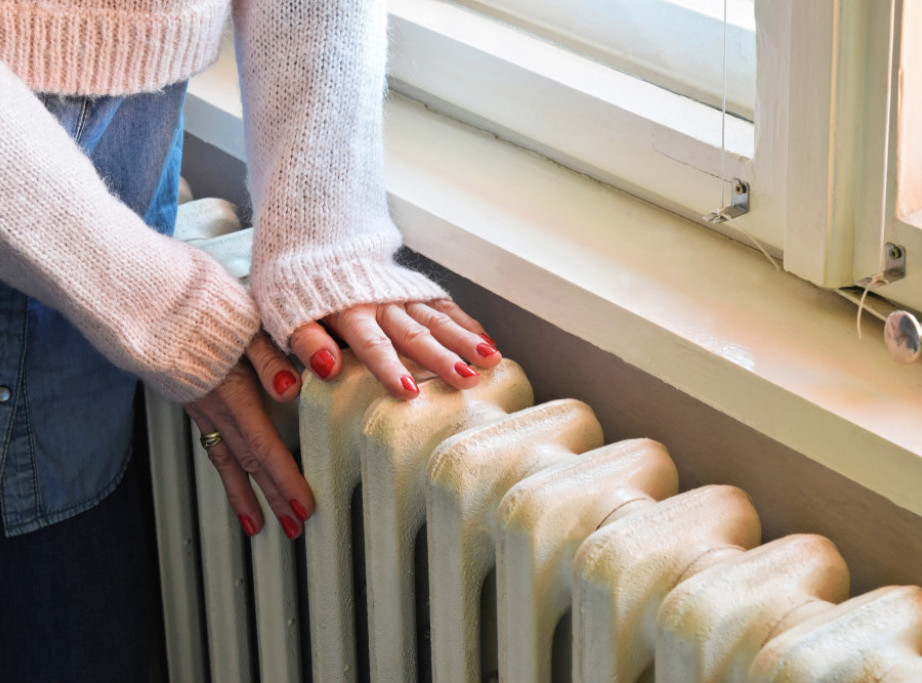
pixel 153 306
pixel 313 77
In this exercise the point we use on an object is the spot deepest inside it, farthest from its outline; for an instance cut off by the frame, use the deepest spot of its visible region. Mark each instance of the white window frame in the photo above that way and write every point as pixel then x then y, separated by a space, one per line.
pixel 822 65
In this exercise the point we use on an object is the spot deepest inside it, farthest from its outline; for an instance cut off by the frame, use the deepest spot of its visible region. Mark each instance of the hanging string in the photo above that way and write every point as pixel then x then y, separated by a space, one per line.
pixel 723 155
pixel 878 277
pixel 723 112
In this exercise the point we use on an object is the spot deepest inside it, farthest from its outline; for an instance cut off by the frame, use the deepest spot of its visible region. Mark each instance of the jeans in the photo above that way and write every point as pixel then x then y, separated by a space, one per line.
pixel 74 548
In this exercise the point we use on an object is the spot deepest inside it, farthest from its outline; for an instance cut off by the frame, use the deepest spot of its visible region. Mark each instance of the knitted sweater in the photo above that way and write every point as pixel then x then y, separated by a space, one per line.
pixel 312 75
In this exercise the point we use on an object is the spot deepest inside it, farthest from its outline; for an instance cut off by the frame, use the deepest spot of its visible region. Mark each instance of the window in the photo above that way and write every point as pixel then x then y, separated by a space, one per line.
pixel 675 44
pixel 809 128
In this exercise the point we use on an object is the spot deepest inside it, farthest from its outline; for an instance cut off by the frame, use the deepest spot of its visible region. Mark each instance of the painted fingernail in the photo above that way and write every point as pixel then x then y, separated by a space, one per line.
pixel 249 527
pixel 283 381
pixel 322 363
pixel 486 350
pixel 289 526
pixel 299 510
pixel 487 339
pixel 409 384
pixel 465 370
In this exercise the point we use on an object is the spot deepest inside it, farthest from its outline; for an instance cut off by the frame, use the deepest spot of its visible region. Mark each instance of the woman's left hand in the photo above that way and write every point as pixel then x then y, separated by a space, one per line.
pixel 437 335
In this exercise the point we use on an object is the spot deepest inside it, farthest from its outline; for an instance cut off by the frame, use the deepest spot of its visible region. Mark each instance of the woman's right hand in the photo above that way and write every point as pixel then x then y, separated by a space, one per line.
pixel 250 445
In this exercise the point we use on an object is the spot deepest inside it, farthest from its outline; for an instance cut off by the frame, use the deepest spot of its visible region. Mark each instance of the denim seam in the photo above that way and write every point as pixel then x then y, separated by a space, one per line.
pixel 17 398
pixel 81 121
pixel 36 490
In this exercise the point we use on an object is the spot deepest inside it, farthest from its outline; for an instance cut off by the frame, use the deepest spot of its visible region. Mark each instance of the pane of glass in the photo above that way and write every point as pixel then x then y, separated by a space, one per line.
pixel 909 159
pixel 677 44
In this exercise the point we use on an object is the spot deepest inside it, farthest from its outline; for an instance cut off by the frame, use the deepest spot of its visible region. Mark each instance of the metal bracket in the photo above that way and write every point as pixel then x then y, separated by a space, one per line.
pixel 894 267
pixel 739 203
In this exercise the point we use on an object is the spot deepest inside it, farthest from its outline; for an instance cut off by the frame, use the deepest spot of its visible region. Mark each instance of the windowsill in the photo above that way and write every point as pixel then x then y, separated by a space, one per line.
pixel 691 308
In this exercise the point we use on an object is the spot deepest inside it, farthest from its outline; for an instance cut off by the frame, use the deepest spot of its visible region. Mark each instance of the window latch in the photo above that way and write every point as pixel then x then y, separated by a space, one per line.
pixel 739 203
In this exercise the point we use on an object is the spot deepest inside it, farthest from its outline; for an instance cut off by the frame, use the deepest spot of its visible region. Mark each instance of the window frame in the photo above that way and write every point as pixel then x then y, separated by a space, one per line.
pixel 815 186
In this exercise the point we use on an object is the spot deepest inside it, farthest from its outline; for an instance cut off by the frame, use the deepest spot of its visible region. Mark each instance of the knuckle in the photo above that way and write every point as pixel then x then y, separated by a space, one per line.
pixel 249 462
pixel 416 333
pixel 220 459
pixel 374 344
pixel 439 321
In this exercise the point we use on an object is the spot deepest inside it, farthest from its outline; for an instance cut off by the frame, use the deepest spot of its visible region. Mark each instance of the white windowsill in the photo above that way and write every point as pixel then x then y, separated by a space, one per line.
pixel 696 310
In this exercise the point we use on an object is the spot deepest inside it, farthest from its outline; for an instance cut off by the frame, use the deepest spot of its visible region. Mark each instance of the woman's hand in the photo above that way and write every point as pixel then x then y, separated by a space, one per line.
pixel 436 334
pixel 250 444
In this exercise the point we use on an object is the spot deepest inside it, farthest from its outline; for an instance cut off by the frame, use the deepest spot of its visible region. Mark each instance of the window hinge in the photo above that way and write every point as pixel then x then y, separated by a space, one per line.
pixel 739 203
pixel 894 268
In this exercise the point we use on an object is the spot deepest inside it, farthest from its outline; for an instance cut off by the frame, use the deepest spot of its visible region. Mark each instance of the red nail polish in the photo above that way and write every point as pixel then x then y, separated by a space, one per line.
pixel 284 381
pixel 289 526
pixel 487 339
pixel 249 527
pixel 322 363
pixel 299 510
pixel 486 350
pixel 465 370
pixel 409 384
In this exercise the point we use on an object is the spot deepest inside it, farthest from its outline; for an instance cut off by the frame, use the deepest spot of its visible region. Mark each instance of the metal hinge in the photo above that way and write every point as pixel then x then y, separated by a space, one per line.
pixel 894 268
pixel 739 203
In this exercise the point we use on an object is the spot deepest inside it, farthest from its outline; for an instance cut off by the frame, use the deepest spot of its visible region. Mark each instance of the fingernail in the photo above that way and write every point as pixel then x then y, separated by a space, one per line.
pixel 409 384
pixel 322 363
pixel 249 527
pixel 284 381
pixel 300 512
pixel 289 526
pixel 486 350
pixel 465 370
pixel 487 339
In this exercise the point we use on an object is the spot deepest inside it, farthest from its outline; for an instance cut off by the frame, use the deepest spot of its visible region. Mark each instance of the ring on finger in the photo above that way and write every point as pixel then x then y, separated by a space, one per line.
pixel 210 439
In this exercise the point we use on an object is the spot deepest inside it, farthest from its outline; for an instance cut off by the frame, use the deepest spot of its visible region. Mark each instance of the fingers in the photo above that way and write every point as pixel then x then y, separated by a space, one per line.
pixel 276 373
pixel 377 333
pixel 251 447
pixel 373 347
pixel 317 350
pixel 235 480
pixel 429 343
pixel 456 330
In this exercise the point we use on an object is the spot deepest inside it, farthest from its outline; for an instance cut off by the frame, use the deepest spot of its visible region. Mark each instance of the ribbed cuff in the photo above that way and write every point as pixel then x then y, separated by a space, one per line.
pixel 99 51
pixel 207 339
pixel 299 290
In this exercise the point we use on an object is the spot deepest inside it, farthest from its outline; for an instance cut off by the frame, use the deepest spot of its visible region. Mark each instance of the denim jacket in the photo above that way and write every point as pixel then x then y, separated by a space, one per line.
pixel 66 413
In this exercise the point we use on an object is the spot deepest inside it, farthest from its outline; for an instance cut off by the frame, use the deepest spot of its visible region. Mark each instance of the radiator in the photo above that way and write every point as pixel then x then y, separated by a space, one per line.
pixel 468 536
pixel 474 536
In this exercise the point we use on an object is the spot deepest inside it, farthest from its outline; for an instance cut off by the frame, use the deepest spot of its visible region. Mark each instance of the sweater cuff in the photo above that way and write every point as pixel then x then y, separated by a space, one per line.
pixel 296 291
pixel 207 339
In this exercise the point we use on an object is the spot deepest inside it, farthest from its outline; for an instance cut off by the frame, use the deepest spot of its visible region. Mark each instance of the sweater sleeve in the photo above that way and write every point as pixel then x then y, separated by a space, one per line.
pixel 153 306
pixel 312 76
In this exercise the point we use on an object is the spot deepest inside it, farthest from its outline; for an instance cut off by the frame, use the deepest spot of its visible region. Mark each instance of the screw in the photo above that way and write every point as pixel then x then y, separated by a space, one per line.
pixel 895 252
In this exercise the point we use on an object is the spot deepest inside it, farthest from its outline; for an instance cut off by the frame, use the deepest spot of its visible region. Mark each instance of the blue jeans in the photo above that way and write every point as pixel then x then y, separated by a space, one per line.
pixel 74 550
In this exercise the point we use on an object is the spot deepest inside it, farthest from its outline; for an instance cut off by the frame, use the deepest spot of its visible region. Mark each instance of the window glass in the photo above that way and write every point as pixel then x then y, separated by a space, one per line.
pixel 676 44
pixel 909 159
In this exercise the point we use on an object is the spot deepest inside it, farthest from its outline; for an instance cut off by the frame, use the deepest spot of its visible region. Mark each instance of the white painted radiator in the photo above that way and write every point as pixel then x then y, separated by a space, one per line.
pixel 469 536
pixel 473 536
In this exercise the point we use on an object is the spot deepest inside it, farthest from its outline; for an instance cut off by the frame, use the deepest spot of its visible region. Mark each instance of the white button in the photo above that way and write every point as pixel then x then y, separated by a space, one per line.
pixel 5 394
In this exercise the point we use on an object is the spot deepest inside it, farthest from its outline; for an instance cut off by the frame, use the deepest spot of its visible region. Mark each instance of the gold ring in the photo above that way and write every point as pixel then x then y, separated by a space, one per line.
pixel 209 440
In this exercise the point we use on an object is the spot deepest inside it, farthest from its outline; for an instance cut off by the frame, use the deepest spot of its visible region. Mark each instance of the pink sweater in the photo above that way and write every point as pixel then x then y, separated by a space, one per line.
pixel 312 73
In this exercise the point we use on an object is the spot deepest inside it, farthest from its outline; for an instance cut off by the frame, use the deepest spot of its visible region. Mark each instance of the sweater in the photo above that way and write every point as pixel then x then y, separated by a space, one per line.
pixel 312 76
